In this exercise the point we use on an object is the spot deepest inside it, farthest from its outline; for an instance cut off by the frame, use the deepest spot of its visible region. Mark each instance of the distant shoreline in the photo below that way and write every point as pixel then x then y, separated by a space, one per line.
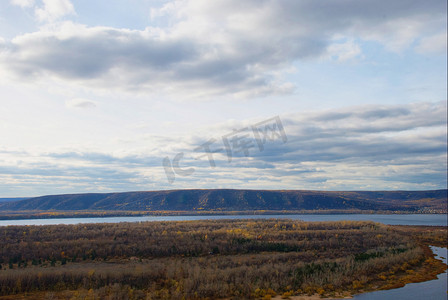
pixel 22 215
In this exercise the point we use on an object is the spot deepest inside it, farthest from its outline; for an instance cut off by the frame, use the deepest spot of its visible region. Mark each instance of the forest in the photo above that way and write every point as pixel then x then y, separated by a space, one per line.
pixel 213 259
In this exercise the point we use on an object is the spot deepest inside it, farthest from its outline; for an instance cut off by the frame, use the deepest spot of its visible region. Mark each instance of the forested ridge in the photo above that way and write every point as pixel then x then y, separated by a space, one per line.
pixel 237 200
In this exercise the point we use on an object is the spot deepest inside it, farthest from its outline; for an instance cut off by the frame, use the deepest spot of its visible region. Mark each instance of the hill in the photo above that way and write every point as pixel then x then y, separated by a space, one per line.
pixel 12 199
pixel 237 200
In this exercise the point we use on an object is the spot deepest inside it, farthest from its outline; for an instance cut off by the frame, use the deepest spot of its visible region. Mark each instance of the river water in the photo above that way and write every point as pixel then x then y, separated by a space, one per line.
pixel 409 219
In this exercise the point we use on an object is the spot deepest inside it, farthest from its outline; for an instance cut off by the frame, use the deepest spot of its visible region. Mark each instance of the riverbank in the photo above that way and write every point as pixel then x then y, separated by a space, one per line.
pixel 428 270
pixel 312 297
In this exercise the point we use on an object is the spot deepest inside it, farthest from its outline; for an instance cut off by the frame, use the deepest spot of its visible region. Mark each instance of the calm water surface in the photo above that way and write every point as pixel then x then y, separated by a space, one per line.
pixel 416 219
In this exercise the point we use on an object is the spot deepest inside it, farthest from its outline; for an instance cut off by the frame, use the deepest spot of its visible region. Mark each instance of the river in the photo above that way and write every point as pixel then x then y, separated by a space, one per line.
pixel 408 219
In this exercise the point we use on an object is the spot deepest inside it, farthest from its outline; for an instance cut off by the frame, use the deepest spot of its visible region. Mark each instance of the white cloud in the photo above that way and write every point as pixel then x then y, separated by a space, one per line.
pixel 54 9
pixel 344 51
pixel 215 47
pixel 433 44
pixel 80 103
pixel 307 25
pixel 23 3
pixel 365 147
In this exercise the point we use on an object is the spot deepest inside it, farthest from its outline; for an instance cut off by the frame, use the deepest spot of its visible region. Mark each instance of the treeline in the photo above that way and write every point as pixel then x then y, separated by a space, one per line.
pixel 203 259
pixel 25 244
pixel 428 235
pixel 243 276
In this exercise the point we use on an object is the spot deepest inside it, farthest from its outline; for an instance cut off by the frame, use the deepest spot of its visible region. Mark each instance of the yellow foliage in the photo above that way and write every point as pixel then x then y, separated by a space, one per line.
pixel 271 292
pixel 382 277
pixel 309 290
pixel 357 284
pixel 259 293
pixel 404 266
pixel 286 295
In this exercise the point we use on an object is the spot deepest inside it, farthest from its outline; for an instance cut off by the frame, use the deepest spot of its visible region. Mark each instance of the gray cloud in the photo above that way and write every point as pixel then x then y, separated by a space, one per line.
pixel 220 47
pixel 352 148
pixel 369 133
pixel 107 159
pixel 94 52
pixel 405 147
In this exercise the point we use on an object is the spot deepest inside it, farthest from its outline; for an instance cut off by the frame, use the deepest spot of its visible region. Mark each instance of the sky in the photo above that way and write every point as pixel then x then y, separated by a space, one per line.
pixel 111 96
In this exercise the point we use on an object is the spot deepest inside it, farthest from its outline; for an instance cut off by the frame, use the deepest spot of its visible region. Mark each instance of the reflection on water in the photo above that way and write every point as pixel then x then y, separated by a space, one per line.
pixel 431 290
pixel 416 219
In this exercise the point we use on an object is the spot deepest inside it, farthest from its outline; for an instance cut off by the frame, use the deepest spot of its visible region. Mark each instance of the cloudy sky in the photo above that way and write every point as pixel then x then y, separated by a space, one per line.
pixel 114 95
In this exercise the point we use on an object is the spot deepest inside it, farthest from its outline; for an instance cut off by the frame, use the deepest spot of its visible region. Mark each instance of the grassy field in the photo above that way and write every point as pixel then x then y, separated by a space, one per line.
pixel 226 259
